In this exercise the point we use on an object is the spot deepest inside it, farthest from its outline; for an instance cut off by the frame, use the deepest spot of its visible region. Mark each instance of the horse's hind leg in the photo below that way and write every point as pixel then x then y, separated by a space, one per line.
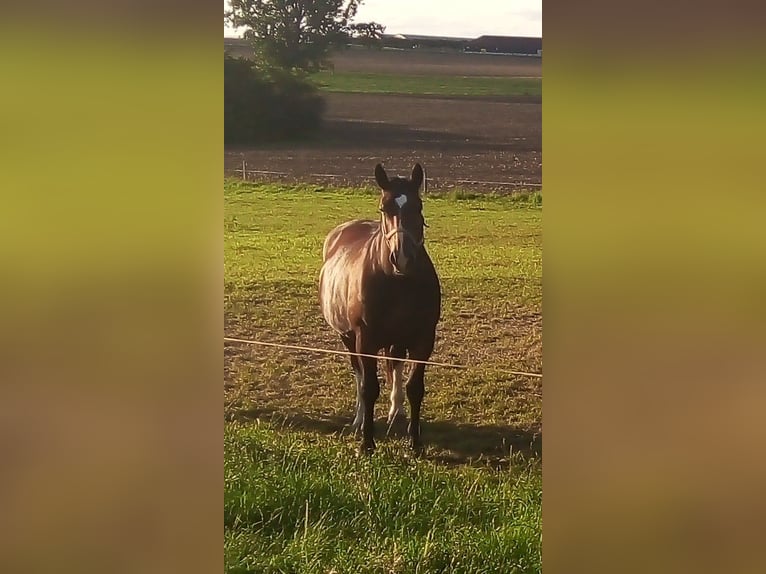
pixel 350 342
pixel 396 378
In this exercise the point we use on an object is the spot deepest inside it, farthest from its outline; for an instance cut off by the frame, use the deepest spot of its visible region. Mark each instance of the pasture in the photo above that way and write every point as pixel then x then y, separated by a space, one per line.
pixel 297 498
pixel 297 502
pixel 435 63
pixel 474 121
pixel 488 253
pixel 507 88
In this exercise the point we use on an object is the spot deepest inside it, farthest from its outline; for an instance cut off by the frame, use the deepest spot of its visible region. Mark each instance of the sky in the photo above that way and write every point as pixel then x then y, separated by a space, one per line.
pixel 452 17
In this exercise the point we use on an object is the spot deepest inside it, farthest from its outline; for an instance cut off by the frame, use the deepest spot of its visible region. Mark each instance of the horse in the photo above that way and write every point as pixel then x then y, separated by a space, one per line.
pixel 379 290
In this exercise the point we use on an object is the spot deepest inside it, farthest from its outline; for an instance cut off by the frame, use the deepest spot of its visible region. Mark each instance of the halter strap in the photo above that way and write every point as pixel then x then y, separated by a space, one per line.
pixel 401 230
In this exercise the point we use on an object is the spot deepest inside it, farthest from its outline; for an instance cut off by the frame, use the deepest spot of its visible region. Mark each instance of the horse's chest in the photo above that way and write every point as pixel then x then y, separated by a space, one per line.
pixel 395 313
pixel 396 305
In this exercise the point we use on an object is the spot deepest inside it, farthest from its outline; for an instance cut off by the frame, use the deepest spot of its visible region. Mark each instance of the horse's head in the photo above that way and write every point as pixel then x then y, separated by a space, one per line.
pixel 401 216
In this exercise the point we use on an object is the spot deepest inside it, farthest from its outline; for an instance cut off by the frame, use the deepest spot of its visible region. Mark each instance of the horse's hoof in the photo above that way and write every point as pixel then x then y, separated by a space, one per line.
pixel 396 424
pixel 414 454
pixel 366 449
pixel 395 415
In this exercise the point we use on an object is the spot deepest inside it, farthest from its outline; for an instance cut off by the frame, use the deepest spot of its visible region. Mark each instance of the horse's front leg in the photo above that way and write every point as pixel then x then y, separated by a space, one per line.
pixel 370 392
pixel 415 393
pixel 416 389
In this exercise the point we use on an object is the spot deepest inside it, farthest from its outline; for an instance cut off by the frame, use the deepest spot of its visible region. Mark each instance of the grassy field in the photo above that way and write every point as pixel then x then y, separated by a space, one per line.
pixel 429 85
pixel 488 253
pixel 295 502
pixel 297 499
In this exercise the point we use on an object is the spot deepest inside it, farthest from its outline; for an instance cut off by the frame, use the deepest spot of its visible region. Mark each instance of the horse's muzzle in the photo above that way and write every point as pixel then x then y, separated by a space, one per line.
pixel 409 249
pixel 395 262
pixel 405 256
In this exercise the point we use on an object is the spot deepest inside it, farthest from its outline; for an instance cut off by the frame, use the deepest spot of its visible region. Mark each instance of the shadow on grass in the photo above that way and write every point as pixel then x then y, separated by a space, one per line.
pixel 446 442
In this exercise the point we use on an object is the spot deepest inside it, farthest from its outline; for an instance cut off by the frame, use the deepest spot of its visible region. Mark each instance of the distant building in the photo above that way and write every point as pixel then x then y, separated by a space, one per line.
pixel 507 45
pixel 409 41
pixel 489 44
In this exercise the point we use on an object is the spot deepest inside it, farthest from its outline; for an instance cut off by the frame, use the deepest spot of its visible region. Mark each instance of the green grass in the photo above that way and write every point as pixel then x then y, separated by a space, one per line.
pixel 296 502
pixel 297 499
pixel 432 85
pixel 488 253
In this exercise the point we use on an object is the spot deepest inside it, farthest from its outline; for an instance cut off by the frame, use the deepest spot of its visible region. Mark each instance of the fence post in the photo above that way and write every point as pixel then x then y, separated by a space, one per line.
pixel 244 170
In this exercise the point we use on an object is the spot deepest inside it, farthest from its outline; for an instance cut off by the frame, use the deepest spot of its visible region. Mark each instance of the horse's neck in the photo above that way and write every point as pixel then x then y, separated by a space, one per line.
pixel 379 248
pixel 380 251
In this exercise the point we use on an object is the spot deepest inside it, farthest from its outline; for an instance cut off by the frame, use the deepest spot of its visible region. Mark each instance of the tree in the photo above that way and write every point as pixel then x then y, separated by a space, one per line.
pixel 368 33
pixel 293 34
pixel 264 106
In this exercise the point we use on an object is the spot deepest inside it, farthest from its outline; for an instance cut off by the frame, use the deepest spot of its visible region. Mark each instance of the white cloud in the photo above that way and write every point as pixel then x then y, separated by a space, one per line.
pixel 469 19
pixel 452 18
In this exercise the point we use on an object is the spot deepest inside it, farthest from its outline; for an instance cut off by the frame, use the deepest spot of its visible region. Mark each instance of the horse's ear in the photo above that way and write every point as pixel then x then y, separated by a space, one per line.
pixel 417 176
pixel 381 177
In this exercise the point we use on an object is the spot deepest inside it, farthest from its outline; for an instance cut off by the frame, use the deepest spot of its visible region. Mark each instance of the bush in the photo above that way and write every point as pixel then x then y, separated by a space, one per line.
pixel 262 106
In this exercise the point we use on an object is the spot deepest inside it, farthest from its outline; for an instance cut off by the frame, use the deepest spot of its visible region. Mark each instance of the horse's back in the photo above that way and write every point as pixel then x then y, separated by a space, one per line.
pixel 350 235
pixel 338 288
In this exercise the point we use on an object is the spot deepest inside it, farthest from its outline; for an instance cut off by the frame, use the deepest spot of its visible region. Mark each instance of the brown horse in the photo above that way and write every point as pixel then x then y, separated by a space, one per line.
pixel 379 290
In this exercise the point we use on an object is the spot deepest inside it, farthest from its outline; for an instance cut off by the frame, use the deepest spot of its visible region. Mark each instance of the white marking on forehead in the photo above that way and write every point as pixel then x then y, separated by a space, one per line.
pixel 401 200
